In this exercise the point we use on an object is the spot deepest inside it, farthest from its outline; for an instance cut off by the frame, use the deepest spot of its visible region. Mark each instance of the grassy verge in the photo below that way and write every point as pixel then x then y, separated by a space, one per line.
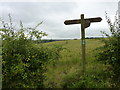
pixel 66 72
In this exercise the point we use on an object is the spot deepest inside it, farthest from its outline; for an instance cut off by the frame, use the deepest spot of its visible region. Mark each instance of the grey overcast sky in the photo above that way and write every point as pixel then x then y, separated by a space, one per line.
pixel 53 13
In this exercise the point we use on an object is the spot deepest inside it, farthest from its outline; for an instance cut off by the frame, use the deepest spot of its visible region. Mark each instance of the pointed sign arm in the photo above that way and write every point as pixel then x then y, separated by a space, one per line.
pixel 78 21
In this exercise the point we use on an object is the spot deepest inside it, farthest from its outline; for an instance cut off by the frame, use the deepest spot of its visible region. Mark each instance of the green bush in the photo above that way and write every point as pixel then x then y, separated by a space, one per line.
pixel 91 81
pixel 110 52
pixel 23 60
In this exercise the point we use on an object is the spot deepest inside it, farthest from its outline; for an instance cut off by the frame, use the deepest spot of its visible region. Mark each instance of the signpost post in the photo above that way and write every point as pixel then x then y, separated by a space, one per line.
pixel 85 22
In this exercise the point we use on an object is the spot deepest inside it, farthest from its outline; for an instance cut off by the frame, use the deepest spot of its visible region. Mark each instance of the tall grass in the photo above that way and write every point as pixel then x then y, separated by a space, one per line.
pixel 67 71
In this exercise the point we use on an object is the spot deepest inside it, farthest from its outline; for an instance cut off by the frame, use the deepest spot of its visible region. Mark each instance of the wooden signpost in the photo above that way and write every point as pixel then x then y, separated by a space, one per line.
pixel 84 24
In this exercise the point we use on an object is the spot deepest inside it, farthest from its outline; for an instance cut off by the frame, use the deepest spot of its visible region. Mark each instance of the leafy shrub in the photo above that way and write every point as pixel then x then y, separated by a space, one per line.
pixel 23 61
pixel 91 81
pixel 110 52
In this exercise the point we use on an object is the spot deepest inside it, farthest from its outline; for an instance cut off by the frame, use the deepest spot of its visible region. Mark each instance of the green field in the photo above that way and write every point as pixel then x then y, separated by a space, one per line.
pixel 66 71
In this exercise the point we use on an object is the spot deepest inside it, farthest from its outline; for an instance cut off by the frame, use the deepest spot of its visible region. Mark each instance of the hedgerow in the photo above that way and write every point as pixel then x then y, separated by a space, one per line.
pixel 23 60
pixel 110 52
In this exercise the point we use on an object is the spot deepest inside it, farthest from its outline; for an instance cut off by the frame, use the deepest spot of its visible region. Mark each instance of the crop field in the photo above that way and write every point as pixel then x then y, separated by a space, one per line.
pixel 68 69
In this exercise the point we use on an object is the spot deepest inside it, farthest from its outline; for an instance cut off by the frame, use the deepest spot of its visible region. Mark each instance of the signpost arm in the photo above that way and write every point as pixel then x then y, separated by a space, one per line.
pixel 83 42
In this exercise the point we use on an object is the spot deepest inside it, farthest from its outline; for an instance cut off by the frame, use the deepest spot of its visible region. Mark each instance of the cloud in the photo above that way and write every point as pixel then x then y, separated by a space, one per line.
pixel 59 1
pixel 53 15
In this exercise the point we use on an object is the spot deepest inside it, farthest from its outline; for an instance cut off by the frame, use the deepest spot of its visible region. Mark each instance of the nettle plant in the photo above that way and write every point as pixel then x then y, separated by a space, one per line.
pixel 23 60
pixel 111 50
